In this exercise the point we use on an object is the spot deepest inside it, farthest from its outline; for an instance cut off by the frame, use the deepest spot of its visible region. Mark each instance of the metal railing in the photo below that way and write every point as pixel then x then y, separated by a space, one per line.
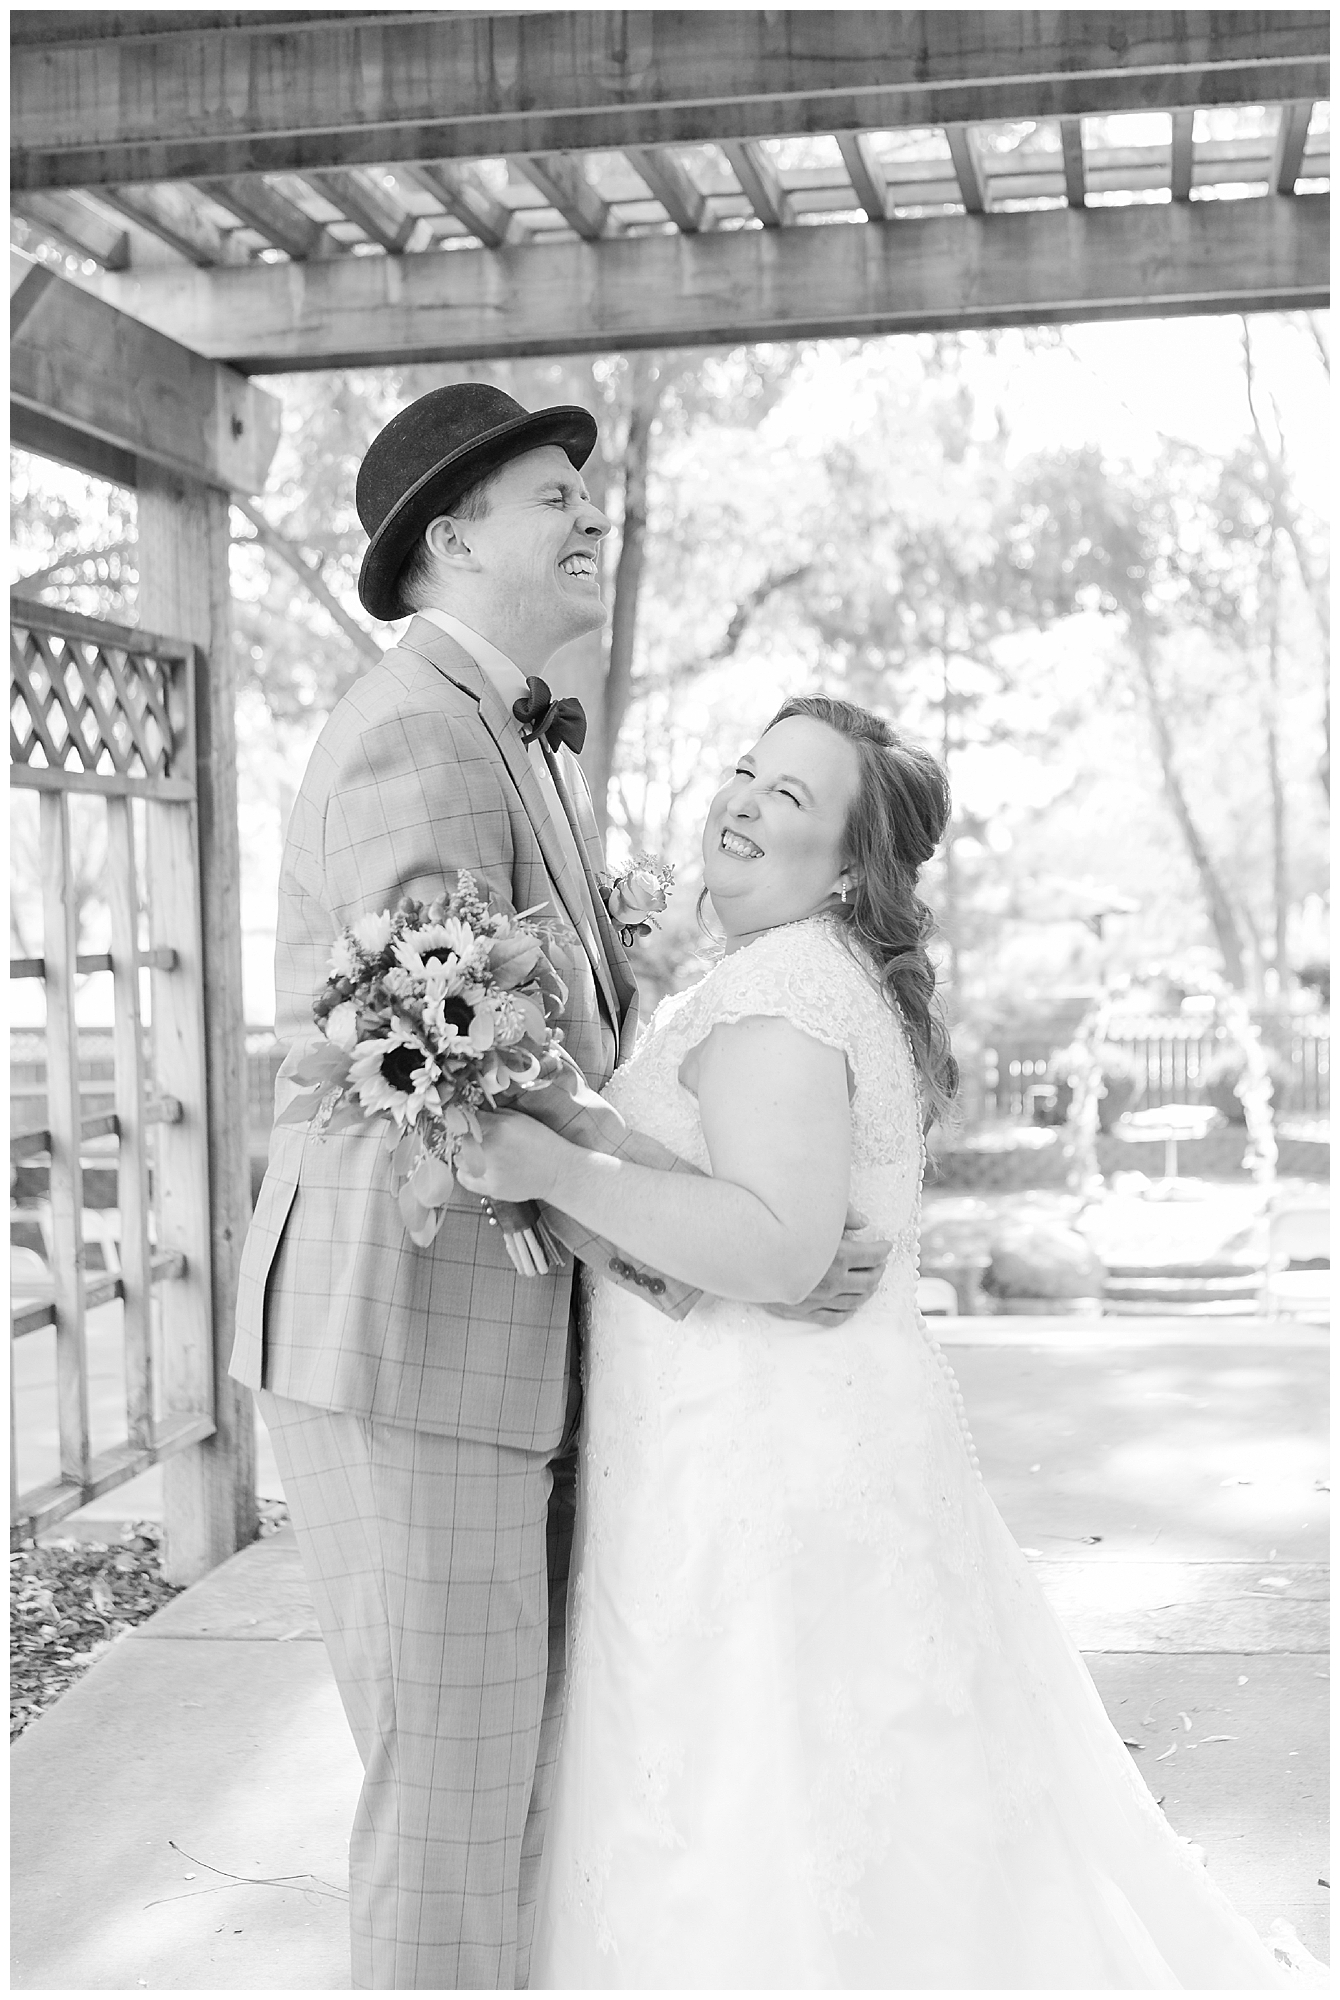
pixel 1169 1057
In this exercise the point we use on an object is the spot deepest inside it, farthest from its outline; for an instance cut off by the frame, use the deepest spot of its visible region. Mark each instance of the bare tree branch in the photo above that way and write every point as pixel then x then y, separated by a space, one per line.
pixel 311 577
pixel 1323 351
pixel 754 601
pixel 38 579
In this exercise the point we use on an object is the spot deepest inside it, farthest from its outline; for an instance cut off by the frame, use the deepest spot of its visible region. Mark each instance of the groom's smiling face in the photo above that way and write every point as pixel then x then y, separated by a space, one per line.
pixel 774 843
pixel 525 573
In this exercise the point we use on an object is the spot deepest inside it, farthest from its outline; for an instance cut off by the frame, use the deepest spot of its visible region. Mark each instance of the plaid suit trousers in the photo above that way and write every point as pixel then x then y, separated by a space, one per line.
pixel 438 1568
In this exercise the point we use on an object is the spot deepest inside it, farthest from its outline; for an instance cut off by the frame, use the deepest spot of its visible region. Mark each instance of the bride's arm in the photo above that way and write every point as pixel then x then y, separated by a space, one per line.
pixel 765 1226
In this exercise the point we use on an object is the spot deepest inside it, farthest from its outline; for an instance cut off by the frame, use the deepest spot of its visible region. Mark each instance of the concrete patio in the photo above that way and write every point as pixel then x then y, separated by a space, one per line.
pixel 180 1817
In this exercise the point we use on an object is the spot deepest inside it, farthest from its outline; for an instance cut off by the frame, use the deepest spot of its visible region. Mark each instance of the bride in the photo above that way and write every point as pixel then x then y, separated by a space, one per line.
pixel 822 1728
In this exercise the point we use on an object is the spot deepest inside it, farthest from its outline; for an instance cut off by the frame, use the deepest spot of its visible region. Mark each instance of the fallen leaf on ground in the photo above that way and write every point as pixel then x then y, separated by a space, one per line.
pixel 1171 1751
pixel 1218 1739
pixel 66 1597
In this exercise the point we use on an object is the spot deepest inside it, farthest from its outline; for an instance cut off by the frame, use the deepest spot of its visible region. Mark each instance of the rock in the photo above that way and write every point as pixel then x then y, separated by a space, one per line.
pixel 1043 1260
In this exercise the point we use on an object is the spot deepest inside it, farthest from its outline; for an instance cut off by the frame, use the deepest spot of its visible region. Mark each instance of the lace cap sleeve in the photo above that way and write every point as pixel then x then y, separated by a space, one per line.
pixel 800 973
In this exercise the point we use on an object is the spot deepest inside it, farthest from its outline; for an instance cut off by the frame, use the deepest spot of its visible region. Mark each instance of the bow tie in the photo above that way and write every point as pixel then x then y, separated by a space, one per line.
pixel 557 722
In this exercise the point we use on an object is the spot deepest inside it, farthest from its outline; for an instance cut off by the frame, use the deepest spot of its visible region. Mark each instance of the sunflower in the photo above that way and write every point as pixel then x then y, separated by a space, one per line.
pixel 394 1074
pixel 459 1028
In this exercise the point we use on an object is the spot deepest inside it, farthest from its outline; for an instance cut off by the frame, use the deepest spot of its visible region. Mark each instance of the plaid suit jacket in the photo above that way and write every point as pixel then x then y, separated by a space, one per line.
pixel 418 774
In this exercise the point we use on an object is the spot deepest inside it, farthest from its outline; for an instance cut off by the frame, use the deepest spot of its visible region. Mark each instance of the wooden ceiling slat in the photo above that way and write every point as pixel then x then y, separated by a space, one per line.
pixel 563 182
pixel 658 290
pixel 1183 153
pixel 378 214
pixel 1072 154
pixel 1028 172
pixel 760 181
pixel 273 216
pixel 465 196
pixel 967 168
pixel 79 227
pixel 673 186
pixel 173 214
pixel 372 89
pixel 1287 158
pixel 865 174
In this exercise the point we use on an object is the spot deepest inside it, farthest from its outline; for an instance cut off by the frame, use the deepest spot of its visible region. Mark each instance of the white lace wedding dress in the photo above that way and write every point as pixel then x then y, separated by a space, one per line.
pixel 822 1728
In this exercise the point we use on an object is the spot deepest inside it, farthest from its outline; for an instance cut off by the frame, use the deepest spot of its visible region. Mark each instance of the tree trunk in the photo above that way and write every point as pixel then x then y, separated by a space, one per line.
pixel 949 911
pixel 644 401
pixel 1284 521
pixel 1278 824
pixel 1222 919
pixel 579 667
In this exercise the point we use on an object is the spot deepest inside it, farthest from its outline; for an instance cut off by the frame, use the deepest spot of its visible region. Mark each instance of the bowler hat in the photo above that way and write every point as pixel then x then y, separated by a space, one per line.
pixel 427 456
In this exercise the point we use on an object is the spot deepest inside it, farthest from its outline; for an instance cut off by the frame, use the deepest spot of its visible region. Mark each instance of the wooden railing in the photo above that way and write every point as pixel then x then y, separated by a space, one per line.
pixel 101 709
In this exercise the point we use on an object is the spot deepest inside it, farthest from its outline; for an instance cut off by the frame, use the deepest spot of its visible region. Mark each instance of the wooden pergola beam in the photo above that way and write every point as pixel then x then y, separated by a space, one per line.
pixel 78 226
pixel 565 186
pixel 279 220
pixel 1287 159
pixel 759 182
pixel 1183 154
pixel 102 101
pixel 865 174
pixel 1072 155
pixel 465 196
pixel 967 168
pixel 96 388
pixel 673 186
pixel 722 287
pixel 378 214
pixel 171 214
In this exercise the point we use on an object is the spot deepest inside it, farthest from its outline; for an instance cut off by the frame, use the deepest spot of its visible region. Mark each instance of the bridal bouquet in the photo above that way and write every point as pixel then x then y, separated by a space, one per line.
pixel 430 1016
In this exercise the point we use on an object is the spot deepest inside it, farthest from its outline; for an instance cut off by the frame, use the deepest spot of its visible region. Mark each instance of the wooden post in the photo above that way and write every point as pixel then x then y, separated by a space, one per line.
pixel 132 1178
pixel 60 944
pixel 209 1489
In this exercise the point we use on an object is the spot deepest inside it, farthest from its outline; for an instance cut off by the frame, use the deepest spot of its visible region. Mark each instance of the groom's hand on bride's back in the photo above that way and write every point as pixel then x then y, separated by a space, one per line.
pixel 850 1280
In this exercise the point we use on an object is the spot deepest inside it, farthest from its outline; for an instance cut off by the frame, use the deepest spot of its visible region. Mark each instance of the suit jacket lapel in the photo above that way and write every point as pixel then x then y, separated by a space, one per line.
pixel 452 660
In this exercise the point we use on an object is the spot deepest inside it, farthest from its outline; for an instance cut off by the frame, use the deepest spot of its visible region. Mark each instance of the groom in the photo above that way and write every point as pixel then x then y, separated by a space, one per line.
pixel 423 1402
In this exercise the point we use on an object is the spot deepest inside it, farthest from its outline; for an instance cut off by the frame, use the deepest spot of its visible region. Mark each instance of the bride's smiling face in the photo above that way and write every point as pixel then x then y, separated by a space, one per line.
pixel 773 843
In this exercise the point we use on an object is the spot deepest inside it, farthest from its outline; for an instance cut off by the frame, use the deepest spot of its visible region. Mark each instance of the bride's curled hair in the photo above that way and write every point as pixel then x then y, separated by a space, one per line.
pixel 896 822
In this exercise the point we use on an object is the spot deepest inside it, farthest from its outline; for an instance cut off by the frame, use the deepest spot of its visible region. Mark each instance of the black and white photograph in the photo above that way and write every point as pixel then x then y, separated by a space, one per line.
pixel 670 999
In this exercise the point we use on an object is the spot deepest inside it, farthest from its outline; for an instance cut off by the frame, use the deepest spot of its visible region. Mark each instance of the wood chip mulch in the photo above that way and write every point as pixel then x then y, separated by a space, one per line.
pixel 70 1600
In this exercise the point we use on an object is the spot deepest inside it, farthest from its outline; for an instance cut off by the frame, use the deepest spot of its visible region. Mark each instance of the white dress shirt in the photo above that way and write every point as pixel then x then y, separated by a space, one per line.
pixel 511 684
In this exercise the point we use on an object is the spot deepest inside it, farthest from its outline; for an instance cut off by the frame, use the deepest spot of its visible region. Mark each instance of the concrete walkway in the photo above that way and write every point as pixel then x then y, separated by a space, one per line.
pixel 180 1818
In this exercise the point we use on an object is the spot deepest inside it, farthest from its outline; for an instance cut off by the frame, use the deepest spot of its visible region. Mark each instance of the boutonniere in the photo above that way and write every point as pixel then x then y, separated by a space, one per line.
pixel 636 896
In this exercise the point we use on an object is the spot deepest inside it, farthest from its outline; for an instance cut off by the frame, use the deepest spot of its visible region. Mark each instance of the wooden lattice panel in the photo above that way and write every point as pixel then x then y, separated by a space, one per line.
pixel 83 700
